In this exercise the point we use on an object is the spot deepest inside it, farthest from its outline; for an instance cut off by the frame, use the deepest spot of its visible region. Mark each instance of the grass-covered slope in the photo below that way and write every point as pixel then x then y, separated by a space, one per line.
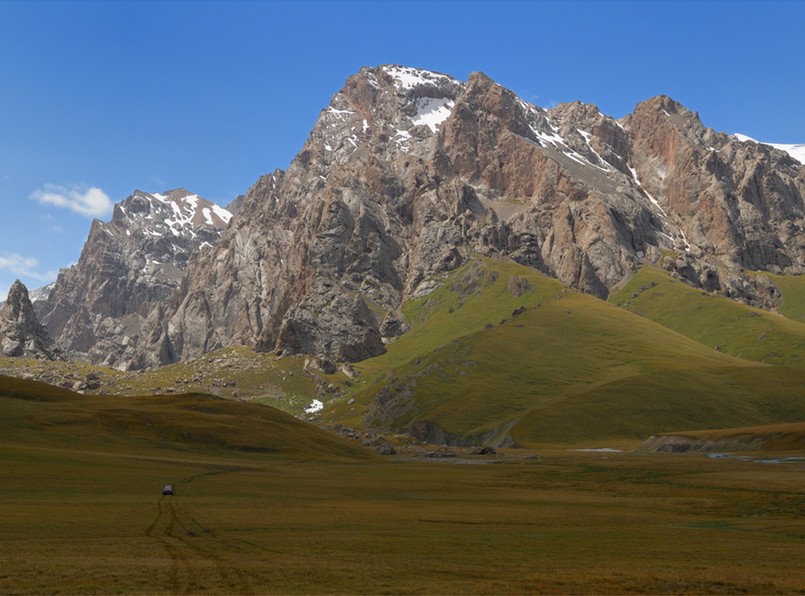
pixel 792 287
pixel 33 413
pixel 513 354
pixel 718 322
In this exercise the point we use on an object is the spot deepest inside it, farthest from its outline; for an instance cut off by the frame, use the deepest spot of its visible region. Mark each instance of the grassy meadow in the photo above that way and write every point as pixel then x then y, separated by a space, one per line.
pixel 82 512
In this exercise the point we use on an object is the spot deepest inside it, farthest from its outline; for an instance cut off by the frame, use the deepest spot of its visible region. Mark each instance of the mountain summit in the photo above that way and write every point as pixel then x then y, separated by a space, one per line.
pixel 405 176
pixel 407 173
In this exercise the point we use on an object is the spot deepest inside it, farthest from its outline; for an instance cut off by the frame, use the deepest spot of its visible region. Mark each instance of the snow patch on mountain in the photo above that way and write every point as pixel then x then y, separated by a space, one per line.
pixel 40 294
pixel 315 406
pixel 179 211
pixel 431 111
pixel 406 77
pixel 797 151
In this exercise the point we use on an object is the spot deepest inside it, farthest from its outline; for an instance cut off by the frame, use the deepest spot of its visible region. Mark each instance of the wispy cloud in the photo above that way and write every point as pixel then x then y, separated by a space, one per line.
pixel 89 201
pixel 24 267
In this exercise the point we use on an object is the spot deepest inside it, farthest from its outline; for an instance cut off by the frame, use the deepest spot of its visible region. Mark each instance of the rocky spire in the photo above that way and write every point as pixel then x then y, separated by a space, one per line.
pixel 21 335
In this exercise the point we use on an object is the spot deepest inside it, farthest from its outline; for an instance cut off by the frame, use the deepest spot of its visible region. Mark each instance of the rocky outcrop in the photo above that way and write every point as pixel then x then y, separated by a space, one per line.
pixel 236 204
pixel 407 173
pixel 21 334
pixel 781 437
pixel 735 204
pixel 103 308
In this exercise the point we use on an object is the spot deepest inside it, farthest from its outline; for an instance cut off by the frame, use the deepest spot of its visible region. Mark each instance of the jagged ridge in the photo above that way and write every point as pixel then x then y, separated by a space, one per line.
pixel 102 308
pixel 407 173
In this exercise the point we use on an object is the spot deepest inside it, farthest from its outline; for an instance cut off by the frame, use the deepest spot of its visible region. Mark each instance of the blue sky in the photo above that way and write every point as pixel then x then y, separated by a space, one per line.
pixel 100 98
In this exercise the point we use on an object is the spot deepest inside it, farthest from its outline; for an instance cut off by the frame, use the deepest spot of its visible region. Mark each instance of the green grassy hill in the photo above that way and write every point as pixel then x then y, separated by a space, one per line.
pixel 718 322
pixel 501 351
pixel 33 413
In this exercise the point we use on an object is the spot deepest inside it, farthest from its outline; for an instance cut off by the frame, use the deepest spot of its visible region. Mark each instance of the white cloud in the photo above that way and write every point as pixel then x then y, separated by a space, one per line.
pixel 89 201
pixel 24 267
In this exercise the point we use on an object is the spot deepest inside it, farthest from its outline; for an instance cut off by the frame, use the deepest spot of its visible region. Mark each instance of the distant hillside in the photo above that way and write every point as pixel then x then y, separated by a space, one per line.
pixel 33 413
pixel 501 354
pixel 717 322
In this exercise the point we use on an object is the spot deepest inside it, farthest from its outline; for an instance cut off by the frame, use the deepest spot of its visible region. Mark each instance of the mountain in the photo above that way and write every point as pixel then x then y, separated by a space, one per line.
pixel 21 334
pixel 129 268
pixel 408 173
pixel 795 151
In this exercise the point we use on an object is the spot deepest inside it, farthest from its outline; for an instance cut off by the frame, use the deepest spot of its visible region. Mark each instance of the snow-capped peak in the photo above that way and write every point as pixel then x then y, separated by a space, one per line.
pixel 406 77
pixel 176 212
pixel 797 151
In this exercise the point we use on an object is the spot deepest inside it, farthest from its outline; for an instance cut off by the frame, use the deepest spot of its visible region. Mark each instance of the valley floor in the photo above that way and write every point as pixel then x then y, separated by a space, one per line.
pixel 95 521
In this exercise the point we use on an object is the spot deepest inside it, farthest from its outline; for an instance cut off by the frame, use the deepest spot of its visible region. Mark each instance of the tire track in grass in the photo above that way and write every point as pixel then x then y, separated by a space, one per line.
pixel 150 529
pixel 179 572
pixel 187 540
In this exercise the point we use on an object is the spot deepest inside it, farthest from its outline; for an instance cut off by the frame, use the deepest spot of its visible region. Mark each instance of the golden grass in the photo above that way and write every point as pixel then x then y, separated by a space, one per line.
pixel 38 414
pixel 79 522
pixel 268 504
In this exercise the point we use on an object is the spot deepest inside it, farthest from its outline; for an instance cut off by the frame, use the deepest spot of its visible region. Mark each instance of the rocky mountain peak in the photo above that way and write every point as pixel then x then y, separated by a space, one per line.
pixel 21 335
pixel 176 213
pixel 406 175
pixel 98 307
pixel 389 109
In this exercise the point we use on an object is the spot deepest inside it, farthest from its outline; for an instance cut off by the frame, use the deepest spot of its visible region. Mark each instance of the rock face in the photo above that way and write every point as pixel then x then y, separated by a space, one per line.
pixel 100 308
pixel 407 172
pixel 21 334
